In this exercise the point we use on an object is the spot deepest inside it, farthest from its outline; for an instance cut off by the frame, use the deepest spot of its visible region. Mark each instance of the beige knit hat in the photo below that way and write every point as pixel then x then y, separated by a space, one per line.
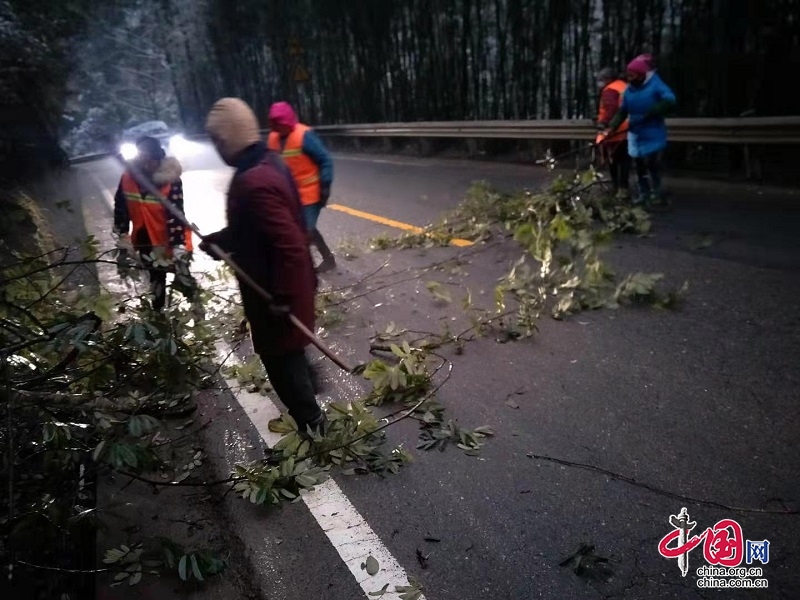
pixel 233 127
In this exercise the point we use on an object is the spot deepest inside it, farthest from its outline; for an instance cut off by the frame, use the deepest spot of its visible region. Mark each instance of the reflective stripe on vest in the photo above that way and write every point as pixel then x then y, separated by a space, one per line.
pixel 147 212
pixel 304 170
pixel 618 86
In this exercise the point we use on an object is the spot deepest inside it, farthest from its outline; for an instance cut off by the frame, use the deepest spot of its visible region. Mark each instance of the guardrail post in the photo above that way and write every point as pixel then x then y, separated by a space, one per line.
pixel 752 163
pixel 472 147
pixel 748 172
pixel 425 147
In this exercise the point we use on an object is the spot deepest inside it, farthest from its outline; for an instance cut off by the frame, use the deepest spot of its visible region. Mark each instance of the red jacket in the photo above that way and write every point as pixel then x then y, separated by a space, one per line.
pixel 267 238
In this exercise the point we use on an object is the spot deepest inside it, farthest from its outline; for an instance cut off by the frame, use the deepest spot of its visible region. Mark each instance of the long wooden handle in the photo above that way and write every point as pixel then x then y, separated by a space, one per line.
pixel 227 258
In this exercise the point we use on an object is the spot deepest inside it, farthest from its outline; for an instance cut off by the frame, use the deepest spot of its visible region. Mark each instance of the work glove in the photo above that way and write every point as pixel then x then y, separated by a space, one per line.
pixel 125 252
pixel 181 259
pixel 179 253
pixel 205 246
pixel 324 194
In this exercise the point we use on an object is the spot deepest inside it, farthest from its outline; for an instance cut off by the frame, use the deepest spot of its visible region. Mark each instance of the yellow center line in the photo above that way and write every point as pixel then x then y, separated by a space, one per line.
pixel 390 222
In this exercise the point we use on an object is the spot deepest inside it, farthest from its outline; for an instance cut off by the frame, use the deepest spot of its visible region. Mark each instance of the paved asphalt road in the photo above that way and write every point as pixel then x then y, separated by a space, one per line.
pixel 701 403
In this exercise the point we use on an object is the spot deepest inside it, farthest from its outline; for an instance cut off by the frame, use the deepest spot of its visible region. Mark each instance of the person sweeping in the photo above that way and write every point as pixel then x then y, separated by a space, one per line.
pixel 266 236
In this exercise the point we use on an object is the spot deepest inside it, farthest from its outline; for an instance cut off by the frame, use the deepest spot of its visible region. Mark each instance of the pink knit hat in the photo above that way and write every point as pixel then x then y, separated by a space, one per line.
pixel 281 113
pixel 638 66
pixel 648 59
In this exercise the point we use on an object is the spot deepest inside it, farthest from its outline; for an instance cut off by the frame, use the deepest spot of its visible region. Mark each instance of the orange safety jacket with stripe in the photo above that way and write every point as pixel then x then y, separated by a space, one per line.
pixel 304 170
pixel 148 216
pixel 606 111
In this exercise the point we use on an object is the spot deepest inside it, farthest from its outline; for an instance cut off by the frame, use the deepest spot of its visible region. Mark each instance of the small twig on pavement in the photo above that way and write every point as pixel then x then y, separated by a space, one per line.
pixel 419 273
pixel 660 491
pixel 359 282
pixel 177 483
pixel 184 436
pixel 61 570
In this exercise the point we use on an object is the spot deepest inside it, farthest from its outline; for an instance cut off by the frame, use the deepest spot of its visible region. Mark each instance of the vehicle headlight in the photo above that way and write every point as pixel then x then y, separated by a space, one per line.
pixel 129 151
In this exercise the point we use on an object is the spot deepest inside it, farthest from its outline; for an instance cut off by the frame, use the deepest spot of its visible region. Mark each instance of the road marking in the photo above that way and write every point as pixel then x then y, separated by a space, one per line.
pixel 390 222
pixel 345 528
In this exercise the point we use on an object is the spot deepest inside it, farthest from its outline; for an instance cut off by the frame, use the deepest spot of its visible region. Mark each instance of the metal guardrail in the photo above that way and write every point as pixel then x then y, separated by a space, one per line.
pixel 754 130
pixel 742 131
pixel 84 158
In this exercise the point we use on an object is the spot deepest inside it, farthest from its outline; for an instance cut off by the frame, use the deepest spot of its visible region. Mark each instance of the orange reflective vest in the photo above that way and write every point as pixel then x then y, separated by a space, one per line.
pixel 304 170
pixel 603 115
pixel 147 213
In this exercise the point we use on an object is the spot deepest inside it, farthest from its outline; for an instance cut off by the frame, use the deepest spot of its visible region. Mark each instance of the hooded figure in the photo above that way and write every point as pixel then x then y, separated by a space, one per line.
pixel 650 62
pixel 155 232
pixel 267 238
pixel 311 166
pixel 645 104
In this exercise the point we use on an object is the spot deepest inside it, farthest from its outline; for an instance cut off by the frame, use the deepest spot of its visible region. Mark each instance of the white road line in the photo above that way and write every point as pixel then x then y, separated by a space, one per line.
pixel 348 532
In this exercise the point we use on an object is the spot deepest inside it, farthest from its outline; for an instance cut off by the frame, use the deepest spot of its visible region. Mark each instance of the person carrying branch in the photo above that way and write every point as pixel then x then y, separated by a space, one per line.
pixel 614 147
pixel 645 104
pixel 311 166
pixel 266 236
pixel 156 234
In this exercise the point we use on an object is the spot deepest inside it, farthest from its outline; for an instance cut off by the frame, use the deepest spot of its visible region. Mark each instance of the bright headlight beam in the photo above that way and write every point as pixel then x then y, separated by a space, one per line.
pixel 128 151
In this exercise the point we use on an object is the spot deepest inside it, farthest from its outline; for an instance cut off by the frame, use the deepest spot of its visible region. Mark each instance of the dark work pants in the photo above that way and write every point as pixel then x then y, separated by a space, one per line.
pixel 319 241
pixel 619 165
pixel 290 376
pixel 184 282
pixel 648 172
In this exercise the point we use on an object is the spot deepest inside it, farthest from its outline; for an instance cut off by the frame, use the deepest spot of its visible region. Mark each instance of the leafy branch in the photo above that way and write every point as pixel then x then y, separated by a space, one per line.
pixel 562 232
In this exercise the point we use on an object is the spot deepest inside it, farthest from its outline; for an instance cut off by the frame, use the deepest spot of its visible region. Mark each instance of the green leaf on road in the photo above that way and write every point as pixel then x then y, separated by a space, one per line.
pixel 196 568
pixel 372 565
pixel 182 567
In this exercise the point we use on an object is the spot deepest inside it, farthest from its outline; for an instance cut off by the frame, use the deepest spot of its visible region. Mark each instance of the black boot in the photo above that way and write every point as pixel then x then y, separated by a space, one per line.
pixel 328 260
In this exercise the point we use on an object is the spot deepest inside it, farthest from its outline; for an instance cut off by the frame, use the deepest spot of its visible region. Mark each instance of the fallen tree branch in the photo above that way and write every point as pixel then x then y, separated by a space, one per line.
pixel 153 482
pixel 406 414
pixel 60 569
pixel 359 282
pixel 657 490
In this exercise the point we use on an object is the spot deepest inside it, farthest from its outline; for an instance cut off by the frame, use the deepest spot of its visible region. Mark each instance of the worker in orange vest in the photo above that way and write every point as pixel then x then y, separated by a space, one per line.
pixel 311 167
pixel 155 233
pixel 613 148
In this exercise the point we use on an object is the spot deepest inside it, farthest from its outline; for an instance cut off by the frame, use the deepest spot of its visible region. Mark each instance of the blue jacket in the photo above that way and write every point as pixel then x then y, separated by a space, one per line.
pixel 647 131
